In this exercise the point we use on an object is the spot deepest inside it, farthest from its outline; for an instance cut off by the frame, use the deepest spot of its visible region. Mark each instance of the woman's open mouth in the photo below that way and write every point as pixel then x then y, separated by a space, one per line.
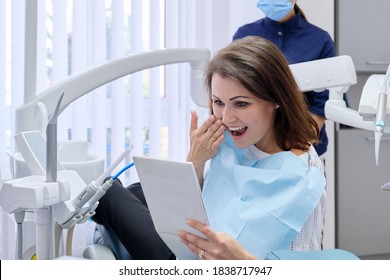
pixel 237 131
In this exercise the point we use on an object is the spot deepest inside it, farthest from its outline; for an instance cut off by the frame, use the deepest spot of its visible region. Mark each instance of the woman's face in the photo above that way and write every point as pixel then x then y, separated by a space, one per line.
pixel 247 118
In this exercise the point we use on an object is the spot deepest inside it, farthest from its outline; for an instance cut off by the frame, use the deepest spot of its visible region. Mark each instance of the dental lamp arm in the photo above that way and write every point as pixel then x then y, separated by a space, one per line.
pixel 77 85
pixel 337 111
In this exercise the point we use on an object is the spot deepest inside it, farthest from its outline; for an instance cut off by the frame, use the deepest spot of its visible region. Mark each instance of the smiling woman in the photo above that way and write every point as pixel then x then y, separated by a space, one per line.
pixel 254 138
pixel 264 190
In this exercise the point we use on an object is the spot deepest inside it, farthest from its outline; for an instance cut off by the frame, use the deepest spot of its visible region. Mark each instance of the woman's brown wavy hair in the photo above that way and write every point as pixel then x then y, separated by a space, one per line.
pixel 259 66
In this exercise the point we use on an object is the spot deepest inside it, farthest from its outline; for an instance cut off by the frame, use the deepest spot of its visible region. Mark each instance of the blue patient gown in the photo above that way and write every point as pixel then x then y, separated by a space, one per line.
pixel 261 203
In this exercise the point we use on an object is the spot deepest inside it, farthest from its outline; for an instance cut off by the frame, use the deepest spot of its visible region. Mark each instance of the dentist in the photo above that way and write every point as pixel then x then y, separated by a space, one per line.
pixel 286 26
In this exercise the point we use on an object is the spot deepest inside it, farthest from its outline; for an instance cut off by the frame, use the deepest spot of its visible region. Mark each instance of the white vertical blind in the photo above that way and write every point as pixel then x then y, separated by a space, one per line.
pixel 183 89
pixel 41 72
pixel 98 98
pixel 149 110
pixel 117 139
pixel 155 84
pixel 202 9
pixel 17 60
pixel 60 58
pixel 79 62
pixel 172 8
pixel 220 29
pixel 136 80
pixel 2 85
pixel 30 53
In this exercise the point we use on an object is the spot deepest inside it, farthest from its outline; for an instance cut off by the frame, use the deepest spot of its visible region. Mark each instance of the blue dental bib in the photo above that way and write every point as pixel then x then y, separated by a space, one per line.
pixel 261 203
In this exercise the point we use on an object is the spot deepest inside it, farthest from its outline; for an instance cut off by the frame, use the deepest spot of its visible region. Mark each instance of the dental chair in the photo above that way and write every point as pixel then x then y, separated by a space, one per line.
pixel 105 245
pixel 330 254
pixel 108 247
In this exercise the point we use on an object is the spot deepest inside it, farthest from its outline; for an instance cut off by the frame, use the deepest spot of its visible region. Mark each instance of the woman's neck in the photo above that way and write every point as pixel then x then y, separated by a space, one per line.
pixel 269 147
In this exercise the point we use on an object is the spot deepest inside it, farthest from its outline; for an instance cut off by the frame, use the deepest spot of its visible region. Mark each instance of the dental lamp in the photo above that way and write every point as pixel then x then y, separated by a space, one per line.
pixel 374 106
pixel 63 196
pixel 337 74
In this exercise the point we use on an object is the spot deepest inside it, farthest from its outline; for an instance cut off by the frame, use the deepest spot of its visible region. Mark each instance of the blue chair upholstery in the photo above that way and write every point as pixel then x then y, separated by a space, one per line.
pixel 107 237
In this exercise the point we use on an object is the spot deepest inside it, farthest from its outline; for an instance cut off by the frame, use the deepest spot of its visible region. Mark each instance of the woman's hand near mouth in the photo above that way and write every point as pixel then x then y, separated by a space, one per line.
pixel 204 141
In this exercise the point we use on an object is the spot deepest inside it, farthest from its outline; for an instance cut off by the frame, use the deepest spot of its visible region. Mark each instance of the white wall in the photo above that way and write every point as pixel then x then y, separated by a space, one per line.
pixel 242 12
pixel 320 13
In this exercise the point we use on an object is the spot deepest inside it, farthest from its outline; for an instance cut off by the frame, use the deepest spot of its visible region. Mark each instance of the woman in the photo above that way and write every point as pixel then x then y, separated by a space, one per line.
pixel 259 115
pixel 264 189
pixel 287 27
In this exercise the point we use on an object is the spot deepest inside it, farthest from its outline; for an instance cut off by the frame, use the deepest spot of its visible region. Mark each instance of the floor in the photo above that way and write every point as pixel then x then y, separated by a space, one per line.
pixel 376 257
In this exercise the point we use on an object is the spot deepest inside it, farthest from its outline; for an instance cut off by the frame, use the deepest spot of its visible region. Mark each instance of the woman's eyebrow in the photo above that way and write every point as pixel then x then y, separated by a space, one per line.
pixel 239 96
pixel 234 97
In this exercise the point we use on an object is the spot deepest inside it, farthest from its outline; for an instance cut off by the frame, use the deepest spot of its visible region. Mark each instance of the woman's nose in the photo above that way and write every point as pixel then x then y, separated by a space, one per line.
pixel 228 115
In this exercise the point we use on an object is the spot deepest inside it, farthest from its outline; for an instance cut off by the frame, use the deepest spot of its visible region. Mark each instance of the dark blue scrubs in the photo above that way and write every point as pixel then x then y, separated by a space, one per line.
pixel 299 41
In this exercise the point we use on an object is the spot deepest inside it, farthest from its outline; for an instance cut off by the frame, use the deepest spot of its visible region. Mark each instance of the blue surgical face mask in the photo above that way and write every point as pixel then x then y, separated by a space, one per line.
pixel 275 9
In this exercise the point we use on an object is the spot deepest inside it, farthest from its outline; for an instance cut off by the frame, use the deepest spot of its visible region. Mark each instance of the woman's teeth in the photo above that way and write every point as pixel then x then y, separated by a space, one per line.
pixel 237 131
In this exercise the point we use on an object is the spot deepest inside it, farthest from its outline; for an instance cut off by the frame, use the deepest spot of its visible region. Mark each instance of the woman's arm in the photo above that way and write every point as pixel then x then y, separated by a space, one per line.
pixel 216 246
pixel 204 142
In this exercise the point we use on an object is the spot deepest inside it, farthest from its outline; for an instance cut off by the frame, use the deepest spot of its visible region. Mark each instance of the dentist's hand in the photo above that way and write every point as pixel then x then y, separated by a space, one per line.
pixel 216 246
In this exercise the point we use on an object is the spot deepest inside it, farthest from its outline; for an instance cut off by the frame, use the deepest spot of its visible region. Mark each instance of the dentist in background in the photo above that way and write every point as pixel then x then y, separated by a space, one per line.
pixel 287 27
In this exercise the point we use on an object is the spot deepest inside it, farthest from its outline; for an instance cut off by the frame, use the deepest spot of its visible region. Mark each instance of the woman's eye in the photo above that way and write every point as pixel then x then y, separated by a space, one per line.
pixel 241 104
pixel 218 102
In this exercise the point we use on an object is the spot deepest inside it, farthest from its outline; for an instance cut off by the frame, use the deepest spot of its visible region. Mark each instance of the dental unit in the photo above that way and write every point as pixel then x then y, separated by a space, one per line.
pixel 62 197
